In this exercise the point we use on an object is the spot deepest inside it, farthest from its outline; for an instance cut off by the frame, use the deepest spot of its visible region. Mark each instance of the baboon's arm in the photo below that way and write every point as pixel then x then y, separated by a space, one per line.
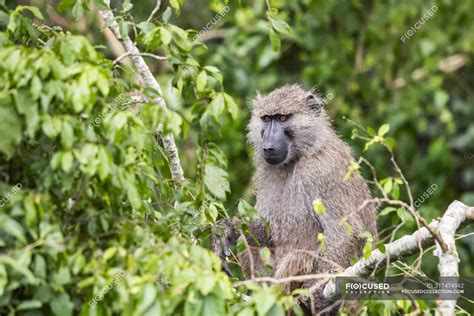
pixel 226 232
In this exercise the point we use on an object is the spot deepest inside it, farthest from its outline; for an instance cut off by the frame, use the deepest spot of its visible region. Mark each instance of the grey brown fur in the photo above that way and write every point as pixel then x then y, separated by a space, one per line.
pixel 317 163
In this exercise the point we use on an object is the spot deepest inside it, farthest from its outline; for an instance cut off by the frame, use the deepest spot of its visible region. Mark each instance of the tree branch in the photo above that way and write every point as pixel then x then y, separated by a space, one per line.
pixel 150 82
pixel 126 54
pixel 406 246
pixel 448 260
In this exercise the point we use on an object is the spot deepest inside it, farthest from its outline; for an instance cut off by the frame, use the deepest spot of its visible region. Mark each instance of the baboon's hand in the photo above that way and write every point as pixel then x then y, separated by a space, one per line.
pixel 224 234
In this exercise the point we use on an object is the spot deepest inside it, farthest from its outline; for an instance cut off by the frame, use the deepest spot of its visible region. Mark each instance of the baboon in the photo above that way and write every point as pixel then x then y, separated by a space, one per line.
pixel 299 158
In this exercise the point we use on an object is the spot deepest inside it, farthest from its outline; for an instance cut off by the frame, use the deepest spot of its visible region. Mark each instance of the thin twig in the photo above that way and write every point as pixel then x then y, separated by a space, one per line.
pixel 249 253
pixel 295 278
pixel 157 7
pixel 126 54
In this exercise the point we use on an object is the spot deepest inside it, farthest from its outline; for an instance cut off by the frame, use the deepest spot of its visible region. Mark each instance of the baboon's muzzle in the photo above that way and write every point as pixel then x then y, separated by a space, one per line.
pixel 275 144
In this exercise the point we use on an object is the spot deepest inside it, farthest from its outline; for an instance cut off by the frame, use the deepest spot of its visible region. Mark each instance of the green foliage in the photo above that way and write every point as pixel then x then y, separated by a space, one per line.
pixel 98 227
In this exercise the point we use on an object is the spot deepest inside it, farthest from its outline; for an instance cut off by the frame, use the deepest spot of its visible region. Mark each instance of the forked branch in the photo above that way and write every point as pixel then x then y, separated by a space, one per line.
pixel 456 214
pixel 150 82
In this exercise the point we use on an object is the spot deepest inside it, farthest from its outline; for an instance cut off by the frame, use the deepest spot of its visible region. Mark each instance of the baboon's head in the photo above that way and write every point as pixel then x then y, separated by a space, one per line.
pixel 287 124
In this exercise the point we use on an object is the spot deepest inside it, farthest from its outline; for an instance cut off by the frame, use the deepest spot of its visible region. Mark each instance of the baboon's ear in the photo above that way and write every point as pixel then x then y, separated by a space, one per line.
pixel 314 104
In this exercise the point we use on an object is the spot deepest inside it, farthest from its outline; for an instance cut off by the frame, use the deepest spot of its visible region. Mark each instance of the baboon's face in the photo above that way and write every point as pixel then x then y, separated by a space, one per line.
pixel 286 125
pixel 276 137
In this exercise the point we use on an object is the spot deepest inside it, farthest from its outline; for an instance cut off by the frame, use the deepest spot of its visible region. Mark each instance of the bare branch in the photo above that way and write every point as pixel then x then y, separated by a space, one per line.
pixel 157 7
pixel 448 260
pixel 295 278
pixel 408 245
pixel 126 54
pixel 150 82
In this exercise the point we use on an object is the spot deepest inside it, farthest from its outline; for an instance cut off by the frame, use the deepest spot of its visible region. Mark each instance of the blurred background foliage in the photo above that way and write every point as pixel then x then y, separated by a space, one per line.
pixel 97 199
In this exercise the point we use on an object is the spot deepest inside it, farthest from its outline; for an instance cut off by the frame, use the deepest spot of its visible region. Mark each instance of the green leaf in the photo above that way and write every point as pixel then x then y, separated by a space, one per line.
pixel 180 38
pixel 246 210
pixel 12 228
pixel 369 144
pixel 387 188
pixel 206 284
pixel 353 167
pixel 371 132
pixel 212 69
pixel 381 247
pixel 318 207
pixel 231 106
pixel 167 14
pixel 147 297
pixel 67 160
pixel 216 107
pixel 216 181
pixel 77 10
pixel 31 217
pixel 132 192
pixel 404 215
pixel 396 191
pixel 348 227
pixel 30 304
pixel 127 6
pixel 367 251
pixel 213 306
pixel 281 26
pixel 201 81
pixel 40 266
pixel 109 253
pixel 390 143
pixel 67 135
pixel 105 163
pixel 383 130
pixel 10 127
pixel 175 5
pixel 3 279
pixel 212 212
pixel 322 241
pixel 61 305
pixel 165 36
pixel 18 267
pixel 367 235
pixel 62 276
pixel 87 154
pixel 265 254
pixel 51 126
pixel 387 211
pixel 173 123
pixel 275 40
pixel 36 12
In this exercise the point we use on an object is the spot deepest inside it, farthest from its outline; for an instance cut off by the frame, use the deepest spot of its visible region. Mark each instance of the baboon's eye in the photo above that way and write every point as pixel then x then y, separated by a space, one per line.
pixel 266 118
pixel 283 118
